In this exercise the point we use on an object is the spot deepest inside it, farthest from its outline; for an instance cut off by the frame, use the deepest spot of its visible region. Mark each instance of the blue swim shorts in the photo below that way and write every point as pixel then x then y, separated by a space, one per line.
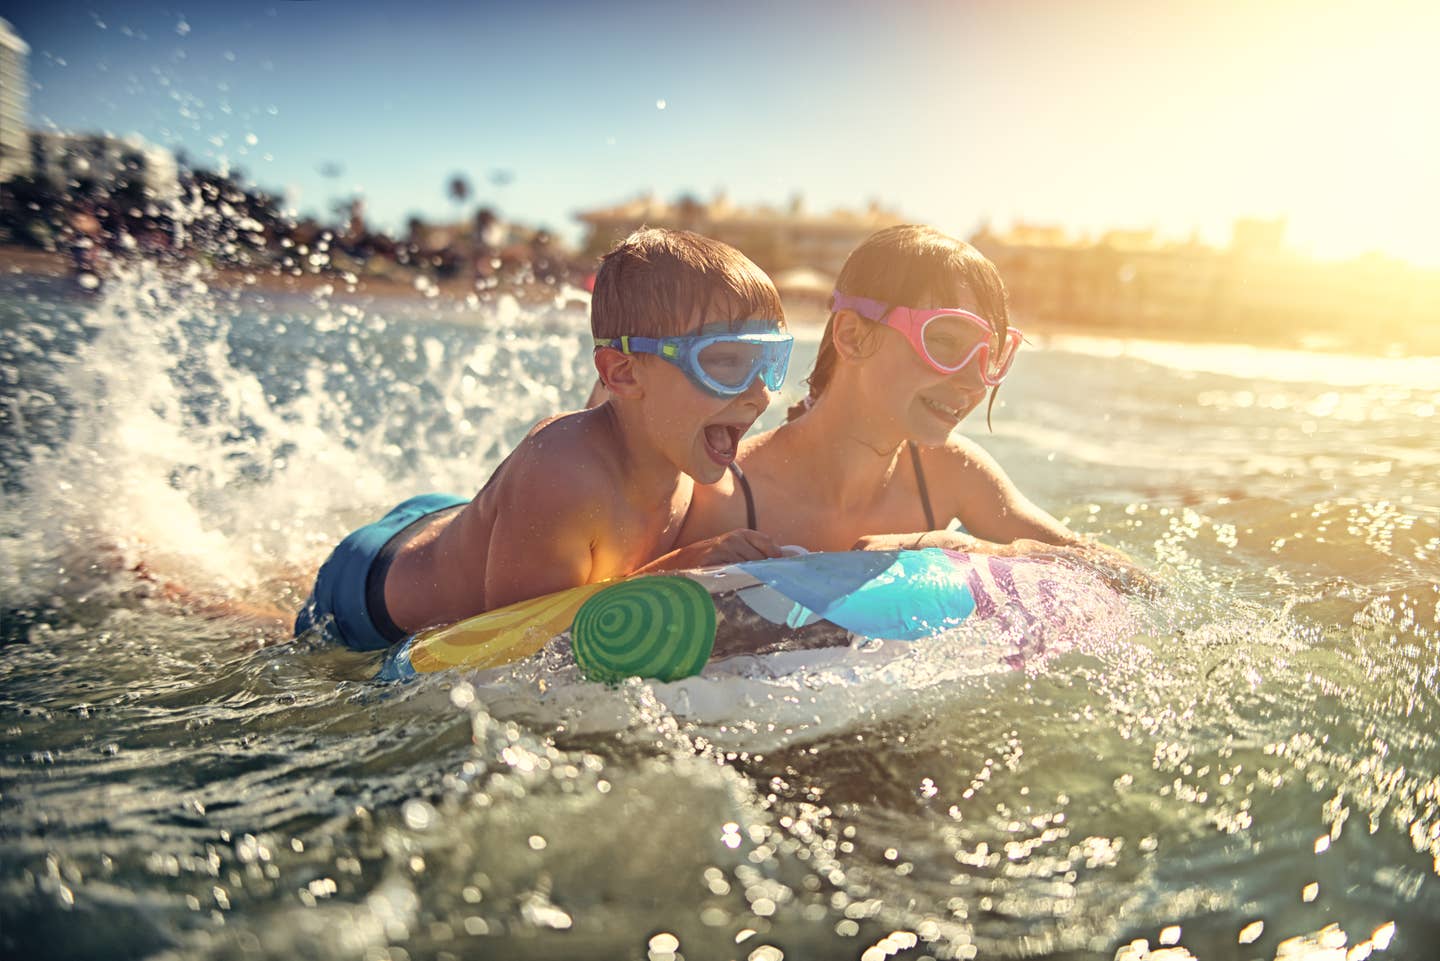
pixel 347 604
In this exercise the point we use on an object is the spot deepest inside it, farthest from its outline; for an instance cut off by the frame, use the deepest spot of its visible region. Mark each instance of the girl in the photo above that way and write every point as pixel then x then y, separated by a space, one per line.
pixel 917 336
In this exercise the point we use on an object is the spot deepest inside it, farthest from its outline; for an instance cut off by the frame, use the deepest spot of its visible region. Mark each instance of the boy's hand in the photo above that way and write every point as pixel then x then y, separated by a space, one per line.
pixel 731 548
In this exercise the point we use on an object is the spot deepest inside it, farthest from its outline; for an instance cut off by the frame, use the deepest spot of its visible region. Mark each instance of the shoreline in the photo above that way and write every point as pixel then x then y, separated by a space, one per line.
pixel 1311 342
pixel 417 288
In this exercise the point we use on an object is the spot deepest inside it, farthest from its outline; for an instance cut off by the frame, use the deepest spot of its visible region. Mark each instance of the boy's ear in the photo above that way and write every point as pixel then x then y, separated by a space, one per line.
pixel 618 372
pixel 850 333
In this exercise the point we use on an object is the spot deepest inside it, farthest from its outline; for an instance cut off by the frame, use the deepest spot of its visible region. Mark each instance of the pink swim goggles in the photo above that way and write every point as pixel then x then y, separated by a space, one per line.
pixel 947 338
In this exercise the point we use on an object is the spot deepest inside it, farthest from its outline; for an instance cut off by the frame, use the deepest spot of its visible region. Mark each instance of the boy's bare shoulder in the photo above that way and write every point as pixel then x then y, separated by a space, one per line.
pixel 547 421
pixel 564 461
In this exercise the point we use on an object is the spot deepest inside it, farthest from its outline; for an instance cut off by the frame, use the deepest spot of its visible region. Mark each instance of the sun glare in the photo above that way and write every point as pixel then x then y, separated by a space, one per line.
pixel 1365 179
pixel 1350 129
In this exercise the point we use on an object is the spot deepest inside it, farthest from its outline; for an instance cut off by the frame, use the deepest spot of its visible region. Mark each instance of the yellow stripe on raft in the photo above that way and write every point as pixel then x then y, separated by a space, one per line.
pixel 499 637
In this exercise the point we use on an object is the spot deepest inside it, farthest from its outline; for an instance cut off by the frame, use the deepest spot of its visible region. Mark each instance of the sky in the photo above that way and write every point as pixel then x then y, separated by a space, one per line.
pixel 1179 116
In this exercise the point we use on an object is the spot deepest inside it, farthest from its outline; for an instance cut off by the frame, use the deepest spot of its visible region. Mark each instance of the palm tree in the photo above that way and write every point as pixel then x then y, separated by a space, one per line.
pixel 459 189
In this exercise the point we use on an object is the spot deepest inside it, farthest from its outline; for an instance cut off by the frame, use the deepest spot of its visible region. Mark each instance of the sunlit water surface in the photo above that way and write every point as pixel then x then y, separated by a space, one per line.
pixel 1249 770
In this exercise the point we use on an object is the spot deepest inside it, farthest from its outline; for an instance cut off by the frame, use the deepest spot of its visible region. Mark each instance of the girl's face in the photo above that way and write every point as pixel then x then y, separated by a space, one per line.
pixel 926 405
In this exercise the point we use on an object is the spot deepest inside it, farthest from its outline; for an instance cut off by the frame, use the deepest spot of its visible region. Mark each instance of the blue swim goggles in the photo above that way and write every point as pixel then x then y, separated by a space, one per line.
pixel 723 364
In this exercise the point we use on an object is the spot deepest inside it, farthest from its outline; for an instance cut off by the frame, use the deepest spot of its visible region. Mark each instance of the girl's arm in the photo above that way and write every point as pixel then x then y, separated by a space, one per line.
pixel 972 486
pixel 1001 519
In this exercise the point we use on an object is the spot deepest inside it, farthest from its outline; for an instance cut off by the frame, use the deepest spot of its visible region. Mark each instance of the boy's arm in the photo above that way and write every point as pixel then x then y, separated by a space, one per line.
pixel 543 534
pixel 731 547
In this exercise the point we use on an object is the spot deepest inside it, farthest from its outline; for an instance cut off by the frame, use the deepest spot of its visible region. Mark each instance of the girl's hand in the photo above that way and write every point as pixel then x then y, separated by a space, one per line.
pixel 1118 572
pixel 1111 566
pixel 956 541
pixel 1115 569
pixel 951 540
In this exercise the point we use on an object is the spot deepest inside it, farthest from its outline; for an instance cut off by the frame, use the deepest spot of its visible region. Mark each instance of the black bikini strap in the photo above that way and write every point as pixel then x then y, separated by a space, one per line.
pixel 920 482
pixel 749 498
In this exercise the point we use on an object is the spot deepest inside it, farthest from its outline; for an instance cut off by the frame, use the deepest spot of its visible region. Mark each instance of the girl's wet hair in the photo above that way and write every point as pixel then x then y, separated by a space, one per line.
pixel 911 266
pixel 666 283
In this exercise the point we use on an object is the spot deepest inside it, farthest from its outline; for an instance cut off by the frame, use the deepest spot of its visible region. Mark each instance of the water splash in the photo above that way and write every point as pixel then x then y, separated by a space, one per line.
pixel 229 436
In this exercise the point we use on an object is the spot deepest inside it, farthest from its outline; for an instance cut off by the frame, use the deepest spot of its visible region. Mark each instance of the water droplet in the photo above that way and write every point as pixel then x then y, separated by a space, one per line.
pixel 419 815
pixel 462 695
pixel 664 943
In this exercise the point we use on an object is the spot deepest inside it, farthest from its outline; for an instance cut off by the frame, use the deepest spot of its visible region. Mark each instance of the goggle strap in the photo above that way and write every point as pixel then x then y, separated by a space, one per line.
pixel 869 309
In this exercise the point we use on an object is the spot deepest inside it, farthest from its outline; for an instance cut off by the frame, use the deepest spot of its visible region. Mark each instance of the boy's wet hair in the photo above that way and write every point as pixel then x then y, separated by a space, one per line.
pixel 912 266
pixel 665 283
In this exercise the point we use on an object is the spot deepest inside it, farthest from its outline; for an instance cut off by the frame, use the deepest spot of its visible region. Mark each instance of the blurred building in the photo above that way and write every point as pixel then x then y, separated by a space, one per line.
pixel 487 248
pixel 14 97
pixel 1125 279
pixel 66 160
pixel 777 239
pixel 1256 288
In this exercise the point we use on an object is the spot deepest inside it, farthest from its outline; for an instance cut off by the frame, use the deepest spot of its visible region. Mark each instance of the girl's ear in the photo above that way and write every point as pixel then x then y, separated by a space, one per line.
pixel 619 373
pixel 851 335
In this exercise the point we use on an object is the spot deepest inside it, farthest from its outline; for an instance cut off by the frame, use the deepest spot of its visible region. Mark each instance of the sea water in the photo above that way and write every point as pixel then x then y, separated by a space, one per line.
pixel 1248 768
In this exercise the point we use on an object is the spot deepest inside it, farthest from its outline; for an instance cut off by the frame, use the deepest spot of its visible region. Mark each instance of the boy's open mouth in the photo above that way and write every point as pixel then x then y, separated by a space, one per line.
pixel 722 441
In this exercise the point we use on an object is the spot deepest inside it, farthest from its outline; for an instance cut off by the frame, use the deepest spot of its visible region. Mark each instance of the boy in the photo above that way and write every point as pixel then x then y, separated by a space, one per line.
pixel 688 334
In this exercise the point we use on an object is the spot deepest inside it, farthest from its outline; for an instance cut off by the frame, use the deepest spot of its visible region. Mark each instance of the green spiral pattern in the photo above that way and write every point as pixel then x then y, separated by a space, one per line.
pixel 655 627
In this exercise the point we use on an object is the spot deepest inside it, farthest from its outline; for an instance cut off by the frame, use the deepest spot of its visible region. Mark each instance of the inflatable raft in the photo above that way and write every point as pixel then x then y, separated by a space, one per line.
pixel 674 626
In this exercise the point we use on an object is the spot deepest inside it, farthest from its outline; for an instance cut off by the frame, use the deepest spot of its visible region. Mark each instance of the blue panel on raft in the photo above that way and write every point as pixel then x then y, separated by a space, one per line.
pixel 892 595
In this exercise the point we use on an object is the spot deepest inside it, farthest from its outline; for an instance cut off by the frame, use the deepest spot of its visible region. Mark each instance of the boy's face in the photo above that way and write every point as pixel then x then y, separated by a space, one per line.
pixel 698 432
